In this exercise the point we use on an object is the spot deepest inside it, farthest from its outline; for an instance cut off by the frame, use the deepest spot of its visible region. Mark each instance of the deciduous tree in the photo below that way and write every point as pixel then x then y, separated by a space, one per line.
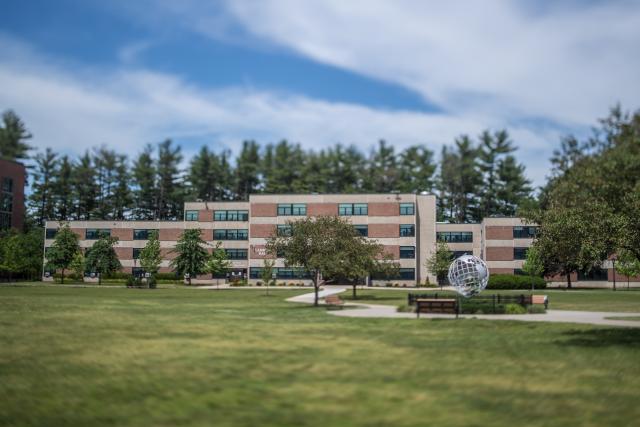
pixel 191 255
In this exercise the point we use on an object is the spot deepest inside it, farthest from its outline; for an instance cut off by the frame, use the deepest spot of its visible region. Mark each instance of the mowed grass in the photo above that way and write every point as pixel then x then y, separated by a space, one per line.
pixel 168 357
pixel 579 299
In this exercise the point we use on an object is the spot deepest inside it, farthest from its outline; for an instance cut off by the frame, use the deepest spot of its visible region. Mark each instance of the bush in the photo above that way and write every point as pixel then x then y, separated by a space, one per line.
pixel 511 281
pixel 130 282
pixel 514 309
pixel 167 276
pixel 404 308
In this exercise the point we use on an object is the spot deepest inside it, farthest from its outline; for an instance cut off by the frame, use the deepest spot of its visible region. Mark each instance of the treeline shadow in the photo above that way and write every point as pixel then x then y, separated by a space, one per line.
pixel 606 337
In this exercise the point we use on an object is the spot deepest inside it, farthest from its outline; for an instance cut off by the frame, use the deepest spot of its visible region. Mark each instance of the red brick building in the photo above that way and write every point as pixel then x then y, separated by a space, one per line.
pixel 12 181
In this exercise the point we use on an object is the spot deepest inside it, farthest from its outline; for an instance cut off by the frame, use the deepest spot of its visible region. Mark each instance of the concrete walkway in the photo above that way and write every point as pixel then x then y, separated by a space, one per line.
pixel 389 311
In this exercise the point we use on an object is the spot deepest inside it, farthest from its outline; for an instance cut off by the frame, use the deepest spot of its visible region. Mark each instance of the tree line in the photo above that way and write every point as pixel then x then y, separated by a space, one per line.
pixel 473 178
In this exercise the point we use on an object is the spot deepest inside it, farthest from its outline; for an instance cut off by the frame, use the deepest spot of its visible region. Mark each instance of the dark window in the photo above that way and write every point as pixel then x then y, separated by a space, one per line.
pixel 348 209
pixel 345 209
pixel 5 220
pixel 137 271
pixel 136 253
pixel 407 209
pixel 6 202
pixel 520 253
pixel 231 234
pixel 96 233
pixel 281 273
pixel 519 272
pixel 7 185
pixel 284 230
pixel 458 254
pixel 236 253
pixel 142 234
pixel 407 252
pixel 191 216
pixel 363 229
pixel 520 232
pixel 407 230
pixel 595 274
pixel 296 209
pixel 403 274
pixel 455 236
pixel 50 233
pixel 231 215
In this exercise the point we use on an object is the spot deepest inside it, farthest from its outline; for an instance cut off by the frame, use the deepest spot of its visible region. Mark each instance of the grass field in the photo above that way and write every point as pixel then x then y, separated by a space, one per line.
pixel 169 357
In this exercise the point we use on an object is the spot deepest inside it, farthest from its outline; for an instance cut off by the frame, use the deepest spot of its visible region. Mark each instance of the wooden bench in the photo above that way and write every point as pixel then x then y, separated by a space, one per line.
pixel 333 301
pixel 436 305
pixel 540 299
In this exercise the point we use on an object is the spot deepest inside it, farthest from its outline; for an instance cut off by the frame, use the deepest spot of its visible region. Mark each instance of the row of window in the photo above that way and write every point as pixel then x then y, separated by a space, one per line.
pixel 228 215
pixel 406 230
pixel 231 234
pixel 522 232
pixel 281 273
pixel 403 274
pixel 348 209
pixel 455 236
pixel 231 253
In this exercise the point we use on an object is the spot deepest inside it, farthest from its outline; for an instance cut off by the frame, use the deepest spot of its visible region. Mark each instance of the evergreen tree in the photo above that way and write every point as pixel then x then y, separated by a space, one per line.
pixel 105 162
pixel 13 137
pixel 145 185
pixel 62 190
pixel 42 198
pixel 383 170
pixel 315 174
pixel 170 189
pixel 493 148
pixel 121 193
pixel 416 170
pixel 285 169
pixel 346 169
pixel 202 175
pixel 247 178
pixel 85 191
pixel 512 188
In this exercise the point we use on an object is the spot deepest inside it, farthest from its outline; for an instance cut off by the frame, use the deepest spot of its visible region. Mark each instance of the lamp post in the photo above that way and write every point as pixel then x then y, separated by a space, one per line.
pixel 614 257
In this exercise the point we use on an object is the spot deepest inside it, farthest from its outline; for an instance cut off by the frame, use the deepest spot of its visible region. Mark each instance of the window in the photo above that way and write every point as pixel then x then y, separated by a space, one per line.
pixel 284 230
pixel 6 202
pixel 50 233
pixel 297 209
pixel 5 220
pixel 231 215
pixel 363 229
pixel 458 254
pixel 281 273
pixel 95 233
pixel 407 209
pixel 520 253
pixel 137 271
pixel 136 253
pixel 595 274
pixel 407 230
pixel 347 209
pixel 407 252
pixel 236 253
pixel 7 185
pixel 403 274
pixel 231 234
pixel 191 216
pixel 520 232
pixel 142 234
pixel 455 236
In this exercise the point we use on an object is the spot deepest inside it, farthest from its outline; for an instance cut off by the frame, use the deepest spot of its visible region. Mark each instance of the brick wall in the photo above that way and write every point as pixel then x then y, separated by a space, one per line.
pixel 124 253
pixel 205 215
pixel 384 230
pixel 319 209
pixel 170 234
pixel 499 254
pixel 393 250
pixel 384 209
pixel 262 230
pixel 264 209
pixel 122 233
pixel 501 270
pixel 500 232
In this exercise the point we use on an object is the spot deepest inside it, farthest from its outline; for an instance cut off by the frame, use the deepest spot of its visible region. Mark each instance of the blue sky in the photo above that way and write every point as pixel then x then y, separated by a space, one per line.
pixel 85 73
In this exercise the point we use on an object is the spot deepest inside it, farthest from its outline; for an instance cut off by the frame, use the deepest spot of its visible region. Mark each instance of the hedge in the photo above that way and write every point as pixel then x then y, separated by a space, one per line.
pixel 512 281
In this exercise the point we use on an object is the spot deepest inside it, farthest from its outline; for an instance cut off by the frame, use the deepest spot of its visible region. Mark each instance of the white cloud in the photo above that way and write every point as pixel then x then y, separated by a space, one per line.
pixel 567 63
pixel 71 108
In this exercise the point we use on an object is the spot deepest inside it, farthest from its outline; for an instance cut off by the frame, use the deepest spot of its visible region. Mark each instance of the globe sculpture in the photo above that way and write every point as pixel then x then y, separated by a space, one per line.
pixel 468 275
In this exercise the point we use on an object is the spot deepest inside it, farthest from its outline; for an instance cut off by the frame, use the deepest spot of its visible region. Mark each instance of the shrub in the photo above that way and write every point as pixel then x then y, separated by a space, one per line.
pixel 404 308
pixel 510 281
pixel 167 276
pixel 514 309
pixel 152 282
pixel 388 284
pixel 130 282
pixel 536 309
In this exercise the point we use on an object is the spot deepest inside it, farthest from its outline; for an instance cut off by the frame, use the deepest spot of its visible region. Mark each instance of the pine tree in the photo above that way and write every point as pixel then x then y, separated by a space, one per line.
pixel 170 189
pixel 13 137
pixel 42 198
pixel 64 203
pixel 285 170
pixel 493 148
pixel 121 193
pixel 145 185
pixel 101 258
pixel 247 179
pixel 416 170
pixel 85 191
pixel 512 188
pixel 383 169
pixel 202 176
pixel 191 256
pixel 105 163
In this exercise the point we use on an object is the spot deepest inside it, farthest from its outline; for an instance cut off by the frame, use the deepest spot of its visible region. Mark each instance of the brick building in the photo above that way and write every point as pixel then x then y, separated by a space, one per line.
pixel 12 181
pixel 404 223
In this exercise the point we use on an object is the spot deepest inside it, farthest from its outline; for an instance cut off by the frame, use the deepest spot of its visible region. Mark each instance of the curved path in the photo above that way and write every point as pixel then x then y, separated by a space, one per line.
pixel 389 311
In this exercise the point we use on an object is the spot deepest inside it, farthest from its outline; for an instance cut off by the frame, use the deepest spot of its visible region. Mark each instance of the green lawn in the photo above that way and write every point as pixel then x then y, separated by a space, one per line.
pixel 583 300
pixel 167 357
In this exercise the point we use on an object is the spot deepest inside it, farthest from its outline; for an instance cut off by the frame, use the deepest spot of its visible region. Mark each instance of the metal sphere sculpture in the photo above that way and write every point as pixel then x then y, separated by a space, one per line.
pixel 468 275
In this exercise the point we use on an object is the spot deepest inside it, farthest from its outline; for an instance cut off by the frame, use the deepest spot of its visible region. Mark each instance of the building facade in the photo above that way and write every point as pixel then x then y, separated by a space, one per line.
pixel 405 224
pixel 12 181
